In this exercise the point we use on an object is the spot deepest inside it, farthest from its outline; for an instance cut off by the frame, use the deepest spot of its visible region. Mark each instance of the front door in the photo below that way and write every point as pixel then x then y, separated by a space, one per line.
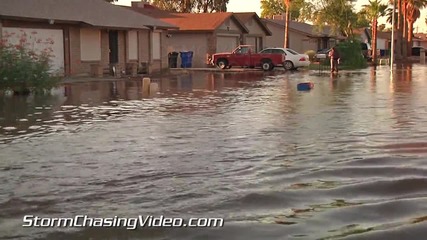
pixel 114 46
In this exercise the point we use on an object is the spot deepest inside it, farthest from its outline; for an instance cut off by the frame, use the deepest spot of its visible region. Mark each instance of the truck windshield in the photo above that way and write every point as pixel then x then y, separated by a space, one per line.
pixel 242 50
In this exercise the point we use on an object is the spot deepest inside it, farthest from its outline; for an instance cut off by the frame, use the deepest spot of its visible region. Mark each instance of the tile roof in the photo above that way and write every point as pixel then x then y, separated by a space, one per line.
pixel 368 32
pixel 191 21
pixel 97 13
pixel 421 36
pixel 244 17
pixel 304 27
pixel 384 35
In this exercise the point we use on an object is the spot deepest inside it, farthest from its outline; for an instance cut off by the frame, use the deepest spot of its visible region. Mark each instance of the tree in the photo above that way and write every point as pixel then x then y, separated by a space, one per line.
pixel 208 6
pixel 381 27
pixel 287 20
pixel 373 11
pixel 412 14
pixel 362 21
pixel 300 10
pixel 186 6
pixel 337 14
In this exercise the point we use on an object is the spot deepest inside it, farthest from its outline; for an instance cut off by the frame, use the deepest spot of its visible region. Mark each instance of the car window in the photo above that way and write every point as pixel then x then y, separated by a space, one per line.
pixel 278 51
pixel 268 50
pixel 242 50
pixel 292 51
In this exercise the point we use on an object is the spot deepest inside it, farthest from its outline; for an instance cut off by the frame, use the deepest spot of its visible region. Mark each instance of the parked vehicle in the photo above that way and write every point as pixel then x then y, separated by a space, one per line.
pixel 294 60
pixel 366 51
pixel 365 47
pixel 321 54
pixel 244 56
pixel 416 51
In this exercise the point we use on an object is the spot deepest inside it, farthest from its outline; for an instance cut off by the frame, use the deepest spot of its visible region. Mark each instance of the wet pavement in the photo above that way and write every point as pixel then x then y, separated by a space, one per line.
pixel 345 160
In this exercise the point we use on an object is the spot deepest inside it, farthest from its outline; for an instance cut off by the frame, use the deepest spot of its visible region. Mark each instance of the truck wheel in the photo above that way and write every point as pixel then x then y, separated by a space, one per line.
pixel 288 65
pixel 222 63
pixel 267 66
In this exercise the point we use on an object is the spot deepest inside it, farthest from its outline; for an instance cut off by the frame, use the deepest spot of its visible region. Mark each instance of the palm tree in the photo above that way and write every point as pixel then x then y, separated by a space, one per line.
pixel 288 6
pixel 373 11
pixel 412 14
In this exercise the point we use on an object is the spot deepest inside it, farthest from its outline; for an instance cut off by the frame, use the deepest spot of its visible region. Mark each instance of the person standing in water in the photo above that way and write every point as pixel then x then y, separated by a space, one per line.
pixel 335 57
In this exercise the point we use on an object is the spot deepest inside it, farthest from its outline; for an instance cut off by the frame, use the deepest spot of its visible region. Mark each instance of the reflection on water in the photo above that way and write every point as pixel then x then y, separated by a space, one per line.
pixel 343 161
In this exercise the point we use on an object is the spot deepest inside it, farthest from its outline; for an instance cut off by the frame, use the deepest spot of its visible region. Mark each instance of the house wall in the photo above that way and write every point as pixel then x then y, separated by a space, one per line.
pixel 382 43
pixel 229 25
pixel 256 35
pixel 122 49
pixel 277 38
pixel 143 47
pixel 164 53
pixel 80 67
pixel 1 27
pixel 297 41
pixel 196 42
pixel 90 44
pixel 132 46
pixel 145 54
pixel 301 43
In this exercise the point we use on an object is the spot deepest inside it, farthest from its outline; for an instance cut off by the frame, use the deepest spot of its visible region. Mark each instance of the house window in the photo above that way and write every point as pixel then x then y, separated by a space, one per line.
pixel 133 45
pixel 155 50
pixel 90 44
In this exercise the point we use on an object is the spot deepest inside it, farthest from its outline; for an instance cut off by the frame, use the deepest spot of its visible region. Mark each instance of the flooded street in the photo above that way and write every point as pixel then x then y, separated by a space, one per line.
pixel 346 160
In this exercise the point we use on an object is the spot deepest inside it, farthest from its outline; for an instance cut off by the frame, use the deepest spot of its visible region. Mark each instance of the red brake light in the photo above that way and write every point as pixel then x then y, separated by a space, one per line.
pixel 302 59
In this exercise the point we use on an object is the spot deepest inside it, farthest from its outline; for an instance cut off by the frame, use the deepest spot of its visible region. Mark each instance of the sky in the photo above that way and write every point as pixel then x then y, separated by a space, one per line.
pixel 255 5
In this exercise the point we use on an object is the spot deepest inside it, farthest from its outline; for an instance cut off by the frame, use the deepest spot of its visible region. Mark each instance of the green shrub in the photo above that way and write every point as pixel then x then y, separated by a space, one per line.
pixel 22 69
pixel 351 55
pixel 310 54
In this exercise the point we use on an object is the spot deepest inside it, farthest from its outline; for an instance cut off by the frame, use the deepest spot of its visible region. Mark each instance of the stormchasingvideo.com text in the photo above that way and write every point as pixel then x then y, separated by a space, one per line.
pixel 130 223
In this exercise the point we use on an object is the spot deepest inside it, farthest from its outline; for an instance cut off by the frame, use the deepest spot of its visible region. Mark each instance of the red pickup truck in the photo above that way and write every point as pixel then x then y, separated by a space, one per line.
pixel 244 56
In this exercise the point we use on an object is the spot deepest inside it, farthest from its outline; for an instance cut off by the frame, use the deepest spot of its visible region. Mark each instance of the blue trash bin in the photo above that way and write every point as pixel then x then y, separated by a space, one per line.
pixel 186 59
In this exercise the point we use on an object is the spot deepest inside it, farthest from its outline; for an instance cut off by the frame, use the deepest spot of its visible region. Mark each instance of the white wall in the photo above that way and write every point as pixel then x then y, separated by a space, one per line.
pixel 381 43
pixel 90 44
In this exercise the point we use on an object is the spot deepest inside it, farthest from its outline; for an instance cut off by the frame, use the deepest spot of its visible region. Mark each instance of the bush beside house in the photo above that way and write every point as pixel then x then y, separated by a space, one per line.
pixel 23 69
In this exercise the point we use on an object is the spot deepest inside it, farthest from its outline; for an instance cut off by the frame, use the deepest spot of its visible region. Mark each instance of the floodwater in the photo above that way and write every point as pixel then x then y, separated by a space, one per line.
pixel 346 160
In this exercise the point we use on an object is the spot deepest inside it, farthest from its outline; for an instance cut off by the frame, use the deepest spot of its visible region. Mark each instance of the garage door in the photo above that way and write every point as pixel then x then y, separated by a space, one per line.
pixel 39 40
pixel 226 43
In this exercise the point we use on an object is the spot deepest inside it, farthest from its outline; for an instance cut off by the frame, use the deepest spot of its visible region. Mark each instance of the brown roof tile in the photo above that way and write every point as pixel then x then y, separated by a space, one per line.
pixel 191 21
pixel 304 27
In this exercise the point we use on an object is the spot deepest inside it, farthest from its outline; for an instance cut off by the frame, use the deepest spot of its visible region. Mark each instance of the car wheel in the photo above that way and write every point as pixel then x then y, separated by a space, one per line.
pixel 267 66
pixel 288 65
pixel 222 63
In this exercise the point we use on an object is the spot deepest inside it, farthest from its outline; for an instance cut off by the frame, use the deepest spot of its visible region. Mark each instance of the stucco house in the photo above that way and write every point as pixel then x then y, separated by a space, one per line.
pixel 201 33
pixel 383 40
pixel 258 31
pixel 302 36
pixel 420 40
pixel 87 36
